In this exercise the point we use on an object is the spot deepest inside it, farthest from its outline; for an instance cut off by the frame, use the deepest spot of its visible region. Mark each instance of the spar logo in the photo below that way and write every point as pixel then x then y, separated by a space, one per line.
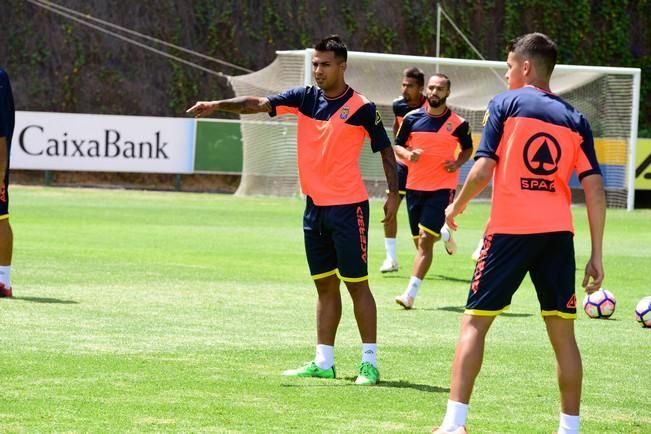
pixel 541 155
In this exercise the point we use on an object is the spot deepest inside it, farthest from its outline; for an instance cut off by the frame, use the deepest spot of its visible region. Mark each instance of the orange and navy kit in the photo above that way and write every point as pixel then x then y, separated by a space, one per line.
pixel 330 136
pixel 430 187
pixel 7 121
pixel 538 140
pixel 400 110
pixel 439 137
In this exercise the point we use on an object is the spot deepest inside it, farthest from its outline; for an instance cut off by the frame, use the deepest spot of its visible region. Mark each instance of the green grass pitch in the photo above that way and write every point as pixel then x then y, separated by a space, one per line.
pixel 170 312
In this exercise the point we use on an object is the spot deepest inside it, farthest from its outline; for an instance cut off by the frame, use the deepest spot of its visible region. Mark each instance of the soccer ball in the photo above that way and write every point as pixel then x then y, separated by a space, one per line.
pixel 643 312
pixel 599 304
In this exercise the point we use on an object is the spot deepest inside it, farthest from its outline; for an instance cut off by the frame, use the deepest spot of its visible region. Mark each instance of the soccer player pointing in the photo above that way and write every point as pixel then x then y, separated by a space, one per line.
pixel 532 142
pixel 333 121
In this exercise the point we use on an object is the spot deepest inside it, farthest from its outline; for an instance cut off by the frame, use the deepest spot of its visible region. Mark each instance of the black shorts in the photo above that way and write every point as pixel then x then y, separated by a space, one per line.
pixel 336 240
pixel 403 171
pixel 427 210
pixel 506 259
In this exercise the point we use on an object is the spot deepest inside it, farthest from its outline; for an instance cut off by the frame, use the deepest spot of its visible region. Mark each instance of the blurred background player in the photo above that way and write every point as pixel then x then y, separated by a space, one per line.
pixel 333 121
pixel 413 82
pixel 7 114
pixel 532 142
pixel 429 139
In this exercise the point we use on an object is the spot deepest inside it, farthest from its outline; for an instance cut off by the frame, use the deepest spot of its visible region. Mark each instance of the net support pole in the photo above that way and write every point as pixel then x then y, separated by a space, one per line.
pixel 632 145
pixel 307 67
pixel 438 34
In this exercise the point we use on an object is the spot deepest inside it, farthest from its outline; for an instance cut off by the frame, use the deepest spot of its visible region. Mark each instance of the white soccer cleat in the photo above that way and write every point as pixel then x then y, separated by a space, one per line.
pixel 389 266
pixel 405 301
pixel 450 244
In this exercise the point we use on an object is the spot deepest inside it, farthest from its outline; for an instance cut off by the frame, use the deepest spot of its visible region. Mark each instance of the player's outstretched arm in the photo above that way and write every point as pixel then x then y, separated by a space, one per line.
pixel 240 104
pixel 595 202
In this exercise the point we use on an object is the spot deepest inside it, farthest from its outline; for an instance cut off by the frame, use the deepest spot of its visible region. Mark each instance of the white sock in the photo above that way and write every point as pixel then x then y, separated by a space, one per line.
pixel 569 424
pixel 445 233
pixel 5 275
pixel 325 356
pixel 390 247
pixel 413 287
pixel 455 416
pixel 369 354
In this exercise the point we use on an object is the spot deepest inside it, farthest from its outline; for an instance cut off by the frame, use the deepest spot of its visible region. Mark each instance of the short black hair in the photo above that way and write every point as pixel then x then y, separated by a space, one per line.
pixel 539 48
pixel 415 73
pixel 443 76
pixel 335 44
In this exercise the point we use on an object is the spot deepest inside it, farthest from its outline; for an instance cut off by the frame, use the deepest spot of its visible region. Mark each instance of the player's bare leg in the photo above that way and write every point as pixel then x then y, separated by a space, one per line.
pixel 422 262
pixel 468 358
pixel 366 317
pixel 365 310
pixel 6 251
pixel 569 370
pixel 328 309
pixel 328 314
pixel 391 228
pixel 424 255
pixel 390 263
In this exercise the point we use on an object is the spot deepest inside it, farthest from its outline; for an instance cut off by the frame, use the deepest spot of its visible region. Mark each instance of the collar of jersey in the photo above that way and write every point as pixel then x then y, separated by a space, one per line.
pixel 541 90
pixel 447 109
pixel 339 96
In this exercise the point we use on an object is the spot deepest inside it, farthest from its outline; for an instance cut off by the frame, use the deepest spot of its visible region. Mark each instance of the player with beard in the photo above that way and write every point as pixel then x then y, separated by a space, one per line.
pixel 413 82
pixel 436 142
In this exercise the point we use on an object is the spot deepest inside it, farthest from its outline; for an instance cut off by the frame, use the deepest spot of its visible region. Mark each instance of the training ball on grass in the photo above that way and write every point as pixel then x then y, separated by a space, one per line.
pixel 643 312
pixel 599 304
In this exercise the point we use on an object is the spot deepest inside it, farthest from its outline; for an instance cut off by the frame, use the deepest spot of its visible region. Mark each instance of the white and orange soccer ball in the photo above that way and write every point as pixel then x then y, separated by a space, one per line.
pixel 643 312
pixel 599 304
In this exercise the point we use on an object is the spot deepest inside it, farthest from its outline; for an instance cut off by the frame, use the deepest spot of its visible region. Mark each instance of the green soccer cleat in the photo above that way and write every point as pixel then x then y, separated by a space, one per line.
pixel 311 370
pixel 368 374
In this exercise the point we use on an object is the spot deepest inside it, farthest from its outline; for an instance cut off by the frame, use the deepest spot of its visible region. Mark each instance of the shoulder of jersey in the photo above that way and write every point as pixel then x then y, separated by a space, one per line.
pixel 364 99
pixel 413 112
pixel 399 103
pixel 461 118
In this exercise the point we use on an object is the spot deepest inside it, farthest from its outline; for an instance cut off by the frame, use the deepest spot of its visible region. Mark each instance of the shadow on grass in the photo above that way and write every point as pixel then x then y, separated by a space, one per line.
pixel 45 300
pixel 407 385
pixel 460 309
pixel 350 381
pixel 429 277
pixel 448 278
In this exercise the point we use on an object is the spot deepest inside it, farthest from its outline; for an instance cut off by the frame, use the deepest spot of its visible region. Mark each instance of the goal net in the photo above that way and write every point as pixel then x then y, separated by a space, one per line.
pixel 609 98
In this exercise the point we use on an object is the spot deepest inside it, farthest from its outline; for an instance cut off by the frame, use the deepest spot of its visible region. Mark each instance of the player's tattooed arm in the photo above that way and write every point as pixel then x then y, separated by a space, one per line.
pixel 240 104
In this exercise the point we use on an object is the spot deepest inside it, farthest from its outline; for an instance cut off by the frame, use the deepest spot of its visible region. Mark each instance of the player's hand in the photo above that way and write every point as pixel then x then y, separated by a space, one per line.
pixel 202 108
pixel 593 276
pixel 451 212
pixel 415 155
pixel 391 207
pixel 450 165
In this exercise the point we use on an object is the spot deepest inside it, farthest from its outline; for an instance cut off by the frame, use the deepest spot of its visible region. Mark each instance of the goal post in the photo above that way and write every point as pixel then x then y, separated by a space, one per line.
pixel 608 96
